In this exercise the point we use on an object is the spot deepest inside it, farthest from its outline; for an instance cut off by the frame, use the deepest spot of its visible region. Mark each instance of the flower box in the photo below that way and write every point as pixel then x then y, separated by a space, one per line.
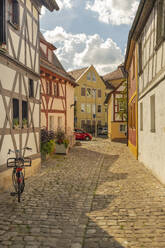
pixel 61 149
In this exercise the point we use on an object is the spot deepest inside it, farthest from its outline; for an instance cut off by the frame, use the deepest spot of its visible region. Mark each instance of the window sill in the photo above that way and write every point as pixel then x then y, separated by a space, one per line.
pixel 153 131
pixel 3 48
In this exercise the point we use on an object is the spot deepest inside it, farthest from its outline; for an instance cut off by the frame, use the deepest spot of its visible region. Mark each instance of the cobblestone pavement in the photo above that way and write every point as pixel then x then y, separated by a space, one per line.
pixel 98 196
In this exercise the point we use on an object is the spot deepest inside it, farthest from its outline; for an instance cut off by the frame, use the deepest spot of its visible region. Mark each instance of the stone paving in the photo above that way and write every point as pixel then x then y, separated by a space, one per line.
pixel 98 196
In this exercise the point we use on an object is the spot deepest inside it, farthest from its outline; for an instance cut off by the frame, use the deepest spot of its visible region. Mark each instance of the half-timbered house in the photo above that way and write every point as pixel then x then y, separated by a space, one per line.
pixel 116 104
pixel 57 92
pixel 148 34
pixel 19 79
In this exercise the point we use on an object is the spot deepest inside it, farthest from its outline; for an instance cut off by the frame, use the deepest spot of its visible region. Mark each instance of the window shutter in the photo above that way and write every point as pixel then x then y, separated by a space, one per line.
pixel 2 23
pixel 15 12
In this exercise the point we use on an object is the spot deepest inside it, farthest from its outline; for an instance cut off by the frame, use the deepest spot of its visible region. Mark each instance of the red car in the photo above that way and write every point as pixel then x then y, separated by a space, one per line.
pixel 82 135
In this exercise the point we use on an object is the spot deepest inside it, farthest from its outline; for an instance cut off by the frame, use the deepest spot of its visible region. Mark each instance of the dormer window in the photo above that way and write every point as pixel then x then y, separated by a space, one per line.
pixel 50 55
pixel 89 76
pixel 93 77
pixel 13 12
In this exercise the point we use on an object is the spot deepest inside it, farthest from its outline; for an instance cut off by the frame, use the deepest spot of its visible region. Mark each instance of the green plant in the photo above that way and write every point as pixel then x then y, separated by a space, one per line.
pixel 15 122
pixel 66 142
pixel 48 147
pixel 24 122
pixel 61 138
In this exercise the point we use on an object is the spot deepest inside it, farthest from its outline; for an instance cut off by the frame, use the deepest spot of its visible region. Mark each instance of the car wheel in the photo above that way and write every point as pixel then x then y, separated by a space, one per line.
pixel 87 138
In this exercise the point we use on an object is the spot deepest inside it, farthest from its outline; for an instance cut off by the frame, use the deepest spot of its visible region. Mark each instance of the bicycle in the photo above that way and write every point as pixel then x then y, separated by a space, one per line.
pixel 18 164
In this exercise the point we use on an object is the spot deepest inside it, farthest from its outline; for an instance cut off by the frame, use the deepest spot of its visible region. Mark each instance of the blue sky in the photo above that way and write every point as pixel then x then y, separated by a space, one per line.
pixel 89 32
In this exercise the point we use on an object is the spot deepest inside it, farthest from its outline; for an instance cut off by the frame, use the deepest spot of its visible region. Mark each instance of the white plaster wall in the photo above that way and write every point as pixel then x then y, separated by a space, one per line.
pixel 151 145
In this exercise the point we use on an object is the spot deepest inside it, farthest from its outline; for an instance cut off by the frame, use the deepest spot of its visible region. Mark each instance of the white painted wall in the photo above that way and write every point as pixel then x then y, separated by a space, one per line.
pixel 151 145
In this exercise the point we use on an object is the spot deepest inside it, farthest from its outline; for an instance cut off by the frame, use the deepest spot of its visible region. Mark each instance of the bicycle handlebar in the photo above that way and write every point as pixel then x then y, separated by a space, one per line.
pixel 17 151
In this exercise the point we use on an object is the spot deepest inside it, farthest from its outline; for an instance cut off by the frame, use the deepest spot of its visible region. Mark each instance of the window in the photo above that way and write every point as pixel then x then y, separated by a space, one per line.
pixel 13 12
pixel 140 56
pixel 15 113
pixel 2 23
pixel 89 92
pixel 99 93
pixel 82 107
pixel 134 115
pixel 24 114
pixel 160 21
pixel 50 55
pixel 59 122
pixel 31 88
pixel 50 88
pixel 47 88
pixel 99 123
pixel 88 108
pixel 82 123
pixel 55 89
pixel 89 76
pixel 122 128
pixel 51 122
pixel 152 111
pixel 82 91
pixel 121 106
pixel 99 109
pixel 93 77
pixel 89 122
pixel 141 116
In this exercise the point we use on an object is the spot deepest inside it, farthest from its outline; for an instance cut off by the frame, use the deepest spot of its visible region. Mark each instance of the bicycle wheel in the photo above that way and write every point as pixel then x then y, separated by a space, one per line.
pixel 19 191
pixel 15 181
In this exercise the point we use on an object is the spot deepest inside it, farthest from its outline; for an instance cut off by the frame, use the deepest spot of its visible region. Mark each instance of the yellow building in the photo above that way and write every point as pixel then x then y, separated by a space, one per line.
pixel 90 111
pixel 117 124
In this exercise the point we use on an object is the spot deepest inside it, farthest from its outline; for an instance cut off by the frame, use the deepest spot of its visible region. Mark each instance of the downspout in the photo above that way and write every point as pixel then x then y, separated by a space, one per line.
pixel 127 107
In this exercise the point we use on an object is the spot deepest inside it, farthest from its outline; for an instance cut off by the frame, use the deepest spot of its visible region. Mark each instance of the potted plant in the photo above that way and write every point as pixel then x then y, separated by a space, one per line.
pixel 24 123
pixel 62 143
pixel 15 123
pixel 47 143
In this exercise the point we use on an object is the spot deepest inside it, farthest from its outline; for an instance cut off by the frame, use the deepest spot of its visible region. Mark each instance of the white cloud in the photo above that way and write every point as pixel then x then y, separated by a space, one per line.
pixel 43 11
pixel 116 12
pixel 81 50
pixel 65 3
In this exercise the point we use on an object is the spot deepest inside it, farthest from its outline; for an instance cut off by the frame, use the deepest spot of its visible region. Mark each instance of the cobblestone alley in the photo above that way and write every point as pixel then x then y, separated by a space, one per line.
pixel 98 196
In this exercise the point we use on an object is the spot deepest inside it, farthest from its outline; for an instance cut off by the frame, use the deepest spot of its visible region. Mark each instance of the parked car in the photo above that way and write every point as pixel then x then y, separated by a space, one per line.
pixel 82 135
pixel 102 131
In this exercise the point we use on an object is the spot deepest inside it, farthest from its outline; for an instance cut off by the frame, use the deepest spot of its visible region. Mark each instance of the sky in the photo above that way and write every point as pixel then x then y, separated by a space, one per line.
pixel 89 32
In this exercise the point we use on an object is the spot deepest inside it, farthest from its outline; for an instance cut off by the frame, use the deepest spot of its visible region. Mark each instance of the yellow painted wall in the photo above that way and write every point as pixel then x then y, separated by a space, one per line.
pixel 98 84
pixel 115 130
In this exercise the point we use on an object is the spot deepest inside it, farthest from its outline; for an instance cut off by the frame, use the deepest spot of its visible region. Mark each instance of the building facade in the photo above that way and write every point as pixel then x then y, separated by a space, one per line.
pixel 90 111
pixel 116 101
pixel 131 68
pixel 19 80
pixel 147 33
pixel 57 92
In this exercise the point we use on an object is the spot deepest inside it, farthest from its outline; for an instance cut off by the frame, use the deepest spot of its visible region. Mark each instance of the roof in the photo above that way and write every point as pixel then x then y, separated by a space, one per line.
pixel 55 66
pixel 110 79
pixel 142 14
pixel 50 4
pixel 77 73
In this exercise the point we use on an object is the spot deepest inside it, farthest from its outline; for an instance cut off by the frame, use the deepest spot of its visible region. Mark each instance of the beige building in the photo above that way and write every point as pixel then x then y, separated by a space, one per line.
pixel 90 111
pixel 57 92
pixel 19 82
pixel 116 101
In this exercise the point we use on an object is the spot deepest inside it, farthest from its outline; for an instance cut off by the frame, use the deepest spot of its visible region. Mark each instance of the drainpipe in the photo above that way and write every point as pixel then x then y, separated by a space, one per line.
pixel 127 107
